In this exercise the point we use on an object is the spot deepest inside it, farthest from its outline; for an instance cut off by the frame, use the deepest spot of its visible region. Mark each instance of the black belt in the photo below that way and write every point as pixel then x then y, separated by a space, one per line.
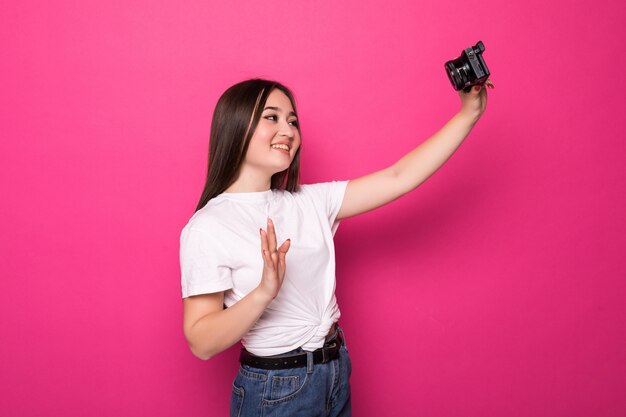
pixel 326 353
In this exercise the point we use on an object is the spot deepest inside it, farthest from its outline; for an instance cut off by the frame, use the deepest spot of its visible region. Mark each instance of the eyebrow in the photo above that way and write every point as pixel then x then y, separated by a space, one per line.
pixel 279 110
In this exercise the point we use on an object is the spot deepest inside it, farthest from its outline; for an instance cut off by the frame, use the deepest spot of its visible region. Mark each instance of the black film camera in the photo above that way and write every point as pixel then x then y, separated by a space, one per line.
pixel 469 69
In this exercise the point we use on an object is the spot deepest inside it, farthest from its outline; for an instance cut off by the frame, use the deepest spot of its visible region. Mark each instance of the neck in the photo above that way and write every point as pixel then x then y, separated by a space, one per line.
pixel 250 181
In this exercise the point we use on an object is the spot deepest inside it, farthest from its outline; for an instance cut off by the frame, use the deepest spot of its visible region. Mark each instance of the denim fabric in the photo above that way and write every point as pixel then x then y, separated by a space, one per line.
pixel 315 390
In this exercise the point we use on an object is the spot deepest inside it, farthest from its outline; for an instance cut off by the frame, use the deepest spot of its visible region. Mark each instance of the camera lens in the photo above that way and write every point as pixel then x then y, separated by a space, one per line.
pixel 460 72
pixel 454 76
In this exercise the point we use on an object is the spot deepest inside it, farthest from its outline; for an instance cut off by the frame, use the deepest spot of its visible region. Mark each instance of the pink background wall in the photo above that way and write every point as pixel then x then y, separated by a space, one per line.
pixel 494 289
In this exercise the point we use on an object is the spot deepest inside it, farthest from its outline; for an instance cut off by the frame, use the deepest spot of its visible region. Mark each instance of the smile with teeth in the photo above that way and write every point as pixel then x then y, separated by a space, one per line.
pixel 281 147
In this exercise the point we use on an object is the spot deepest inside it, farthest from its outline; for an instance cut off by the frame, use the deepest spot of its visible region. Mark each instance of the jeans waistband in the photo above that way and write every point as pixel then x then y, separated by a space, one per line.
pixel 297 357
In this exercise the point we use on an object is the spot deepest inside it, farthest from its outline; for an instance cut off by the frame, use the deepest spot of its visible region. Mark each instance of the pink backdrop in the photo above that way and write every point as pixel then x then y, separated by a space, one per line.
pixel 494 289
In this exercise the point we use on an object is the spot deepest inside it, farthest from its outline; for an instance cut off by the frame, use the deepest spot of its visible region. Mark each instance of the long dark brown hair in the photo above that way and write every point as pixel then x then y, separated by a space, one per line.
pixel 235 118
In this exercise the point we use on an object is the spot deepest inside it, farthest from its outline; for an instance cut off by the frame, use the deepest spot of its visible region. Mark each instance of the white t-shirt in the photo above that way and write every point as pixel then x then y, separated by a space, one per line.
pixel 220 250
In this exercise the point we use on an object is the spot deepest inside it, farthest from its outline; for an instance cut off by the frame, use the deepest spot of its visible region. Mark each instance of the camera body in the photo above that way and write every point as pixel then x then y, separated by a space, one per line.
pixel 469 69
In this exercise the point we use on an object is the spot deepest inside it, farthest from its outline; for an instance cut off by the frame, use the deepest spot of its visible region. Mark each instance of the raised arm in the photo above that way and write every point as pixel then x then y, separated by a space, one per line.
pixel 382 187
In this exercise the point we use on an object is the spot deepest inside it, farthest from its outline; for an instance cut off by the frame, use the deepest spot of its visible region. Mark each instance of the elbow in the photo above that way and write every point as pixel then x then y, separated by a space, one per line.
pixel 401 183
pixel 203 350
pixel 199 351
pixel 203 346
pixel 200 354
pixel 197 347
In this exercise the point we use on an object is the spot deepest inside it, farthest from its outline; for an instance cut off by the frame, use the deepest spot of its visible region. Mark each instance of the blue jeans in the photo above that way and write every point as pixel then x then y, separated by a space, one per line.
pixel 315 390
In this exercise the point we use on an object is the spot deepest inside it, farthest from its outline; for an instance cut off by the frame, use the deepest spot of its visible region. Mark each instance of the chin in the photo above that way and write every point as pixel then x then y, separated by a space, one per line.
pixel 278 169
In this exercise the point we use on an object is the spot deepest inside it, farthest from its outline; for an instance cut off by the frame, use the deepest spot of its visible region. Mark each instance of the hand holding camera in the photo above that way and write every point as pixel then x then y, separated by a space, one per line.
pixel 469 75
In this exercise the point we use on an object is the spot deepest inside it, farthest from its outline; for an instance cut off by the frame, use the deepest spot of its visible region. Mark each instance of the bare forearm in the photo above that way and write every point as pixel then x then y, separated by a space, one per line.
pixel 218 331
pixel 419 164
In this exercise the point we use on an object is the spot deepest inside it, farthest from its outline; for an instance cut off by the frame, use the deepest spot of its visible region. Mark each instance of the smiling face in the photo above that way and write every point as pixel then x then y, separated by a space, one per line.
pixel 276 138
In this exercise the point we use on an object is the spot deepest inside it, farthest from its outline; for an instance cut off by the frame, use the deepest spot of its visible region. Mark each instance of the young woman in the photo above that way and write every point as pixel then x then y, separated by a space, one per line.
pixel 252 220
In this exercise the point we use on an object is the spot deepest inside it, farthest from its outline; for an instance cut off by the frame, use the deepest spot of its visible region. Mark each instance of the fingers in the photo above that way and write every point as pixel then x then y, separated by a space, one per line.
pixel 268 239
pixel 264 244
pixel 265 253
pixel 479 87
pixel 282 253
pixel 270 253
pixel 284 247
pixel 271 234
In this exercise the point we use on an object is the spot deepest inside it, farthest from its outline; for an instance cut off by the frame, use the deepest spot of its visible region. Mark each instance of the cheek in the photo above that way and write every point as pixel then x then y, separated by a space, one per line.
pixel 259 142
pixel 257 149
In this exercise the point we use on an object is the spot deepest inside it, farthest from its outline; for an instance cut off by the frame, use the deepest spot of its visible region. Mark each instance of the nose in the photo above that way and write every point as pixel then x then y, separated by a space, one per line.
pixel 286 129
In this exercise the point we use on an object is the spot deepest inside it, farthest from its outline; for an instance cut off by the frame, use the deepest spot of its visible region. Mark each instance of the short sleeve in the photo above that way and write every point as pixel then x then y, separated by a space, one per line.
pixel 203 263
pixel 329 196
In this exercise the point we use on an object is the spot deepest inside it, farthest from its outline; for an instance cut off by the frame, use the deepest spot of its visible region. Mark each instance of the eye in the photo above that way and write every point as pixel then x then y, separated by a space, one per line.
pixel 274 118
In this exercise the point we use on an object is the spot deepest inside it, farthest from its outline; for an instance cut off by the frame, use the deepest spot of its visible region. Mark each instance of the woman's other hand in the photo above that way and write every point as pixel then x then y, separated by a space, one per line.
pixel 274 265
pixel 474 102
